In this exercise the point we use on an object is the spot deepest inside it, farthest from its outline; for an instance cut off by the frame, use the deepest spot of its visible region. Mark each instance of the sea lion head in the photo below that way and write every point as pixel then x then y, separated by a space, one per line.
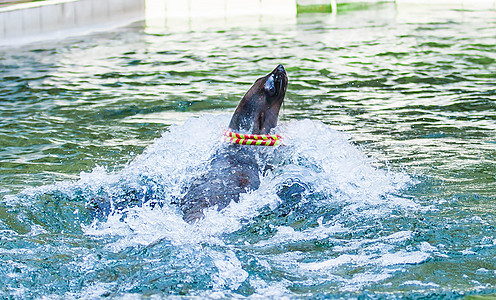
pixel 257 112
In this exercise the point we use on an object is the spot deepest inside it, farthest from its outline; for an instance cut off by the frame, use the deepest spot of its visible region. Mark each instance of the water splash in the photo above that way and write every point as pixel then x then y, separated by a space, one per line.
pixel 320 189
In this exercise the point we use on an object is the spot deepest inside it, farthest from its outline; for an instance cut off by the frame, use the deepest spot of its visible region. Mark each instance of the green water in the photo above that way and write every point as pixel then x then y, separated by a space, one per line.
pixel 410 209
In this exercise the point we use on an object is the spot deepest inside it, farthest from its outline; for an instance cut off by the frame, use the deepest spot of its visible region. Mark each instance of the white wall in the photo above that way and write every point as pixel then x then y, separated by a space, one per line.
pixel 51 19
pixel 193 14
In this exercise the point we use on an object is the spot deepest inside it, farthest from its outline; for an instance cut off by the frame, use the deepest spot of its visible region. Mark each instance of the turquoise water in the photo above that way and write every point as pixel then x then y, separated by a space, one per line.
pixel 389 122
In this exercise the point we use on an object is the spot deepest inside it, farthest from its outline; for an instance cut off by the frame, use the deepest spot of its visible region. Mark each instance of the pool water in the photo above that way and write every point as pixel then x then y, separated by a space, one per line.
pixel 388 124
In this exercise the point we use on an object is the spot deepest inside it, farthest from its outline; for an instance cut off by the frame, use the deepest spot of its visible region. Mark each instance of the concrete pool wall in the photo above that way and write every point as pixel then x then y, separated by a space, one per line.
pixel 52 19
pixel 27 22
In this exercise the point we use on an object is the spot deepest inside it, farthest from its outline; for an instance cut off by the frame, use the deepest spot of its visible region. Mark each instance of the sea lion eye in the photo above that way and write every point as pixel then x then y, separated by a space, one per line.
pixel 269 86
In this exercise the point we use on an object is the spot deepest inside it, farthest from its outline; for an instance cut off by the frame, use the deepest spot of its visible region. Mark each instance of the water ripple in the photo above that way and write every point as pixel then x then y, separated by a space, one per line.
pixel 414 93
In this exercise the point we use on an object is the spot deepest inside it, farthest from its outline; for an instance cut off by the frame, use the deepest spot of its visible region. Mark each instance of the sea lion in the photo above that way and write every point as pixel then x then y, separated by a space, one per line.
pixel 234 169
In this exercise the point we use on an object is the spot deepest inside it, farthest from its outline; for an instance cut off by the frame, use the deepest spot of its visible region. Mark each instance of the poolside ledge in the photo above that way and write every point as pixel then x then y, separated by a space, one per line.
pixel 53 19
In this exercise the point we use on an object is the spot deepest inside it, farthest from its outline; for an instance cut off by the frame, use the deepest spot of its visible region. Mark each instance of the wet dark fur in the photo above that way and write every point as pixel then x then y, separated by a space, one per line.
pixel 234 169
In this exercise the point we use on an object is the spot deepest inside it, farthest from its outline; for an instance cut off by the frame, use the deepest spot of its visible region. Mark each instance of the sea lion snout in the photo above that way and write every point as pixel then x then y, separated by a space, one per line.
pixel 276 82
pixel 258 111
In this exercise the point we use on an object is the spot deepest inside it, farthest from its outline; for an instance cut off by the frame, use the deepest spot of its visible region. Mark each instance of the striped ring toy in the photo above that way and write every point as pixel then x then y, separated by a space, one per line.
pixel 252 139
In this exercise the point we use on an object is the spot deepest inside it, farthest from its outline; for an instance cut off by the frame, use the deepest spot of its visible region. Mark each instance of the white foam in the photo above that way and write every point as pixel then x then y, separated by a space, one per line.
pixel 273 290
pixel 420 283
pixel 314 154
pixel 94 291
pixel 401 257
pixel 230 272
pixel 322 159
pixel 333 262
pixel 287 234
